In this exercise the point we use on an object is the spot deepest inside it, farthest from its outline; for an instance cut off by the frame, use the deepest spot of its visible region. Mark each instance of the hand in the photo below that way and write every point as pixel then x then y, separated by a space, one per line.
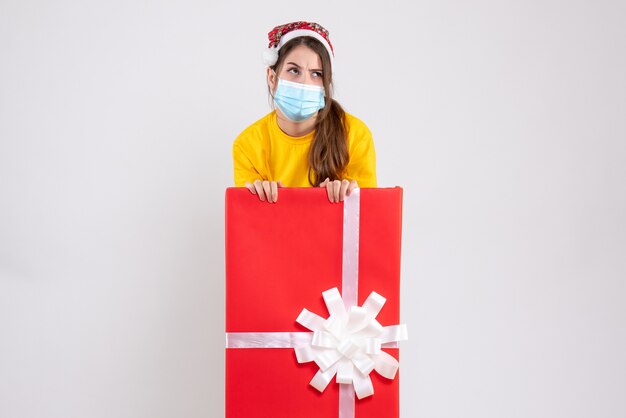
pixel 265 190
pixel 338 189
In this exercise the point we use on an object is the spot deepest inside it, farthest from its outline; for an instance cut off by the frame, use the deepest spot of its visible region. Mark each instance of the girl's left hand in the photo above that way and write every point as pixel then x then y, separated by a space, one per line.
pixel 338 189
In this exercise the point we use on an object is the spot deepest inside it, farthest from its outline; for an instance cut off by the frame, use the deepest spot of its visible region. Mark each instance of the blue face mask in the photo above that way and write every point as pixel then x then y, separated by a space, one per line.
pixel 298 101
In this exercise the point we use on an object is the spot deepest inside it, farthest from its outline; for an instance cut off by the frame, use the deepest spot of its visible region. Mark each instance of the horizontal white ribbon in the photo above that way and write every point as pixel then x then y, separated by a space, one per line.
pixel 267 339
pixel 275 340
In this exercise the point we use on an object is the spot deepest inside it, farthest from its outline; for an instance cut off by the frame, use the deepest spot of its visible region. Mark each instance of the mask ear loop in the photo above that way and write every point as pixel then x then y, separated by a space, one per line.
pixel 271 93
pixel 273 102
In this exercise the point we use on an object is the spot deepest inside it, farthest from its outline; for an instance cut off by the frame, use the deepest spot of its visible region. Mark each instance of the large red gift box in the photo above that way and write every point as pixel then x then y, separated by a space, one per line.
pixel 280 257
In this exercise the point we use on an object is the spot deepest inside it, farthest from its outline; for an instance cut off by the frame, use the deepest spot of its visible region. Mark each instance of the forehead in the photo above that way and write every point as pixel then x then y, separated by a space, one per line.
pixel 304 57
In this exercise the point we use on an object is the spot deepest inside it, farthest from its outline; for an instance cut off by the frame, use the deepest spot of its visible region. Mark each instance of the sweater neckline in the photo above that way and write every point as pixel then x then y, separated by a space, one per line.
pixel 305 139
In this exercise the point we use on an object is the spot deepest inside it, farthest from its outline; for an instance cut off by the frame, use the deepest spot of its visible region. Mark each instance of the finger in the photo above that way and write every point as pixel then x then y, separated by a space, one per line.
pixel 250 187
pixel 353 185
pixel 274 189
pixel 342 190
pixel 325 182
pixel 336 188
pixel 258 186
pixel 267 190
pixel 329 191
pixel 280 184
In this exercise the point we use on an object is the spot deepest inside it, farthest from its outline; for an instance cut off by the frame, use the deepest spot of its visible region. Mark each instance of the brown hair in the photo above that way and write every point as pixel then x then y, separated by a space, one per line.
pixel 328 155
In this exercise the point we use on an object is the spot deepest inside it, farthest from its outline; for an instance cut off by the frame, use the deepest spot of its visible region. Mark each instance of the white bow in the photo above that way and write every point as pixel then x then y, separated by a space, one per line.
pixel 348 344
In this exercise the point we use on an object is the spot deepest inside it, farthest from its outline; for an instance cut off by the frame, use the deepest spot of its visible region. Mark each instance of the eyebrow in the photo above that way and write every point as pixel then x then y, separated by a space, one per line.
pixel 294 64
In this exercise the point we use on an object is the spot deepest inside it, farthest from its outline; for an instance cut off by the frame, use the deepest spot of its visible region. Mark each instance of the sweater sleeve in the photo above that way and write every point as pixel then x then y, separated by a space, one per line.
pixel 362 165
pixel 244 169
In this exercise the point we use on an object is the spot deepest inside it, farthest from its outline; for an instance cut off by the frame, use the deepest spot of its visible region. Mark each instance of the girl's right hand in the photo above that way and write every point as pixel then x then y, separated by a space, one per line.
pixel 337 190
pixel 265 190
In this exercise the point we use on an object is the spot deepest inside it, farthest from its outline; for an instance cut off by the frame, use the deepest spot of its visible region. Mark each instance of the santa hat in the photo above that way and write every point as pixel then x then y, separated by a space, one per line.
pixel 282 34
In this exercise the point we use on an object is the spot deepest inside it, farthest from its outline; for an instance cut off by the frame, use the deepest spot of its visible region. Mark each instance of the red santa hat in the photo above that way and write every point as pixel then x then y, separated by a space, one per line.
pixel 282 34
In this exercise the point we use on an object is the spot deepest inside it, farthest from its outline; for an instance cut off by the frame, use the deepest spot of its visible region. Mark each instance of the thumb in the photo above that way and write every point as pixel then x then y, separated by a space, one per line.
pixel 325 182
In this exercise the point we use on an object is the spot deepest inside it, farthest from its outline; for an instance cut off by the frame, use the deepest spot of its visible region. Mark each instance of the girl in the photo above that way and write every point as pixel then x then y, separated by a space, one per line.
pixel 308 139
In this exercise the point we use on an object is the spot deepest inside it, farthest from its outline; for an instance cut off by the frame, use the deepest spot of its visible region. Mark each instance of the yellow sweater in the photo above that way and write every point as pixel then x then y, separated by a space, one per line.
pixel 262 151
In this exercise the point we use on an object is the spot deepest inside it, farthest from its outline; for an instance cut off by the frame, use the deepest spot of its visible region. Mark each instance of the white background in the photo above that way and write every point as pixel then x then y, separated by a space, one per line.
pixel 504 121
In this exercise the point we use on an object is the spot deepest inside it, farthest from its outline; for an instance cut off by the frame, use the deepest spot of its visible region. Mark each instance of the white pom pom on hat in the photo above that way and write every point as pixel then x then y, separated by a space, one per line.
pixel 270 56
pixel 282 34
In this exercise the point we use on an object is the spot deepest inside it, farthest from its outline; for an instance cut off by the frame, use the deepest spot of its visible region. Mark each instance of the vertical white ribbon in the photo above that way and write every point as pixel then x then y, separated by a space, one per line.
pixel 350 267
pixel 346 401
pixel 350 281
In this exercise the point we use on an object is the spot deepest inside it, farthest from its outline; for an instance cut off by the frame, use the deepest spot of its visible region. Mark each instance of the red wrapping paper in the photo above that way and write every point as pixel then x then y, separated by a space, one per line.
pixel 280 257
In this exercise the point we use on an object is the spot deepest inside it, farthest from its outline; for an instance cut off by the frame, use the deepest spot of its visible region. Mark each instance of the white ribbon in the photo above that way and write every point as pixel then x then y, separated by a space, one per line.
pixel 346 344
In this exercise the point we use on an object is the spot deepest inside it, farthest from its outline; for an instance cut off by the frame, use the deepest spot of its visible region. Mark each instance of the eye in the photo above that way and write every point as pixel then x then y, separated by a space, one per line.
pixel 317 74
pixel 293 70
